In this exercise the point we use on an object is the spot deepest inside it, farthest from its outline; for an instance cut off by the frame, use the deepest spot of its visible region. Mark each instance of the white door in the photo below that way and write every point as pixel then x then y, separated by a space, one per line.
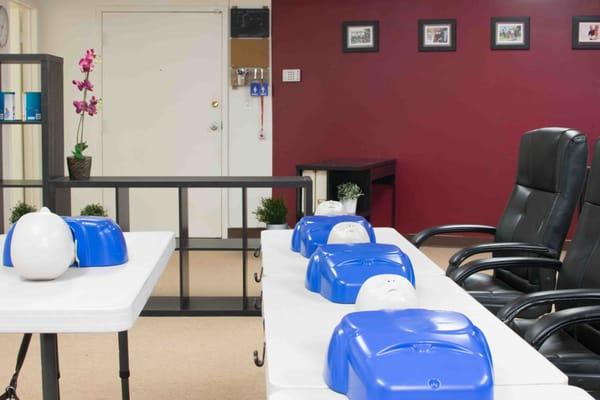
pixel 162 75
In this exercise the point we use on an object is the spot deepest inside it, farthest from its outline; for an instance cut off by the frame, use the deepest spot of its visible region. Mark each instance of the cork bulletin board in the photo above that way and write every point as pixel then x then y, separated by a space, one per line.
pixel 249 53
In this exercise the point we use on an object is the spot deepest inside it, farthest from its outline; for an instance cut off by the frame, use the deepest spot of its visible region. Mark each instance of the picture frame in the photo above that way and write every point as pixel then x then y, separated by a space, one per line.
pixel 586 32
pixel 437 35
pixel 510 33
pixel 360 36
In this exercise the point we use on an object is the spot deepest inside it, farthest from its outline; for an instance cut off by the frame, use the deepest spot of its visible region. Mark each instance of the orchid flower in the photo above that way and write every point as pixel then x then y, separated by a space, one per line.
pixel 84 84
pixel 83 107
pixel 80 106
pixel 86 64
pixel 92 108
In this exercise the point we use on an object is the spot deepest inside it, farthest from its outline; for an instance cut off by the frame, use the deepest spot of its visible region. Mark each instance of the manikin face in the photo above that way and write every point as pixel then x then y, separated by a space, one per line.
pixel 386 292
pixel 348 232
pixel 330 208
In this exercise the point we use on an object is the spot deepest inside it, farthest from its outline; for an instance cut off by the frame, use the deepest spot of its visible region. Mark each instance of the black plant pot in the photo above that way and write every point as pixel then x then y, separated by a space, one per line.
pixel 79 170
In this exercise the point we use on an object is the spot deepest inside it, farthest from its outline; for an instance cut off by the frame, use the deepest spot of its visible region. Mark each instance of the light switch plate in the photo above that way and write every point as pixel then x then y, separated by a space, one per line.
pixel 291 75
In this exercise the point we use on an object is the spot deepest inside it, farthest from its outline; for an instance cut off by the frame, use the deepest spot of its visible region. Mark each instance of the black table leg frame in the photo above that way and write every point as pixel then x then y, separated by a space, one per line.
pixel 49 356
pixel 124 364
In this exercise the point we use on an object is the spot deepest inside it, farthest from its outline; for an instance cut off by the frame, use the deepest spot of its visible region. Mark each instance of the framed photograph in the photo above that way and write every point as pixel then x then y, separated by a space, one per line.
pixel 510 33
pixel 360 36
pixel 437 35
pixel 586 32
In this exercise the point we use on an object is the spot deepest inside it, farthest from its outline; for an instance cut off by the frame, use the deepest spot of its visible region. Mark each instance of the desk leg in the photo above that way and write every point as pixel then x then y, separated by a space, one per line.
pixel 49 350
pixel 124 364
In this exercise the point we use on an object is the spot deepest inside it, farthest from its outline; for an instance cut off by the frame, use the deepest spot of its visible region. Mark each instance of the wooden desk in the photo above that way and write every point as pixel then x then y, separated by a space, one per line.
pixel 364 172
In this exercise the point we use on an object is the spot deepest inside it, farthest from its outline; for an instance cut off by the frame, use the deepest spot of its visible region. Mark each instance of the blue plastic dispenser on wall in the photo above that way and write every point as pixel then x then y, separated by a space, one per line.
pixel 338 271
pixel 313 231
pixel 409 355
pixel 99 242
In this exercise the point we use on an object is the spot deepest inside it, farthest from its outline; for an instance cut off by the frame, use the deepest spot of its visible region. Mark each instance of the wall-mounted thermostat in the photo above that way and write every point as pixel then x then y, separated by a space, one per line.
pixel 291 75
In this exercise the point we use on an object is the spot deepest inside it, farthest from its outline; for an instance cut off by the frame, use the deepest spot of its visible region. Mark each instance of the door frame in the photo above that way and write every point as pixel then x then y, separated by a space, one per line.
pixel 224 12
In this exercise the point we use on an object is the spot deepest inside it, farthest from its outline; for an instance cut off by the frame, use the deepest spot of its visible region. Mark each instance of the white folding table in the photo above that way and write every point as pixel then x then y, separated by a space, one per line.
pixel 533 392
pixel 299 323
pixel 106 299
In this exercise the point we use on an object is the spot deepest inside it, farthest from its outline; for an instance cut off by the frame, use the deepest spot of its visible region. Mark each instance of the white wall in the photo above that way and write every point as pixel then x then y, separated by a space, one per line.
pixel 68 27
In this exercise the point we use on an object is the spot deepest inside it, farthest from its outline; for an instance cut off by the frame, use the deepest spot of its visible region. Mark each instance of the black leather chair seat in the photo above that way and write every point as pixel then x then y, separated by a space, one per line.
pixel 492 292
pixel 570 356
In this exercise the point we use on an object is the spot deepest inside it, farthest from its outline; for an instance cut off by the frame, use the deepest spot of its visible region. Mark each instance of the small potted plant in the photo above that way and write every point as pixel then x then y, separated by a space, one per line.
pixel 94 210
pixel 79 164
pixel 20 209
pixel 273 212
pixel 348 194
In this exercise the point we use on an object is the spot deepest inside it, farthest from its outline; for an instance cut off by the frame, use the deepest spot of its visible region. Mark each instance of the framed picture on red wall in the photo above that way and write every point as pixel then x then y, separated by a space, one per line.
pixel 510 33
pixel 360 36
pixel 586 32
pixel 437 35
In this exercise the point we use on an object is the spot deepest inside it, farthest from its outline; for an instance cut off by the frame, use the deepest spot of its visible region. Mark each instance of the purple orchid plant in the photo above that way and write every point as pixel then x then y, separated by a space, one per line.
pixel 85 107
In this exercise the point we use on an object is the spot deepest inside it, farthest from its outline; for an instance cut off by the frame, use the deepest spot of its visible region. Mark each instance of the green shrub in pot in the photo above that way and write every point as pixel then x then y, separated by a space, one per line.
pixel 94 210
pixel 348 194
pixel 20 209
pixel 273 212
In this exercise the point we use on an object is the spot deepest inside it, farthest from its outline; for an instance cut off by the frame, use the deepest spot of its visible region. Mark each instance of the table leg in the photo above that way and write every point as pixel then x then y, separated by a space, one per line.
pixel 124 364
pixel 49 350
pixel 57 368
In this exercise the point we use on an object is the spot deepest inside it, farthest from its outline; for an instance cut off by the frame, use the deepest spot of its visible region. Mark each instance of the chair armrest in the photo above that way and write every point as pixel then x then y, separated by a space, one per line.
pixel 425 234
pixel 550 324
pixel 508 247
pixel 512 309
pixel 461 274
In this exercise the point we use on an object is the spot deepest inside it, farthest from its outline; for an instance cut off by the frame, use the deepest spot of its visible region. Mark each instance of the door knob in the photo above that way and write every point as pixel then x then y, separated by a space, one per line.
pixel 214 127
pixel 215 104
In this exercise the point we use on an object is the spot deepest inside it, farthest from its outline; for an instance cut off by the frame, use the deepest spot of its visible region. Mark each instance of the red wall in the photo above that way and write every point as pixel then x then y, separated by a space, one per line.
pixel 452 120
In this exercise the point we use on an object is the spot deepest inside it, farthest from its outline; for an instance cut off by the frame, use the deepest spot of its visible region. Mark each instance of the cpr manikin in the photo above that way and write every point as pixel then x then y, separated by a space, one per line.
pixel 386 292
pixel 330 208
pixel 348 232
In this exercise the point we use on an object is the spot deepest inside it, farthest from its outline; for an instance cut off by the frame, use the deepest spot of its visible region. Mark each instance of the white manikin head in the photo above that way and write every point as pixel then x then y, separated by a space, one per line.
pixel 42 246
pixel 330 208
pixel 386 292
pixel 348 232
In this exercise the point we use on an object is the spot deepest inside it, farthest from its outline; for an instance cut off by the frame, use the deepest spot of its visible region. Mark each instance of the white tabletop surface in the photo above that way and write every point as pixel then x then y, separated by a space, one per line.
pixel 276 253
pixel 299 324
pixel 107 299
pixel 533 392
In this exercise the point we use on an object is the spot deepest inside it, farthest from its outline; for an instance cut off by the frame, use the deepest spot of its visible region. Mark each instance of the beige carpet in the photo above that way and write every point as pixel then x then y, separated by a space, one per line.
pixel 171 358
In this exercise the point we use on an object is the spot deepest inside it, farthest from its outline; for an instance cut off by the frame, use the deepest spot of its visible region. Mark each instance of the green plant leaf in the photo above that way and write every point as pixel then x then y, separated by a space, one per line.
pixel 20 209
pixel 272 211
pixel 349 191
pixel 96 210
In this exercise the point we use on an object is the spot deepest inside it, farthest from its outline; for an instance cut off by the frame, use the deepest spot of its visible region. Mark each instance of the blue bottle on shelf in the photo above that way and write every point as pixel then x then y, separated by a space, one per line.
pixel 337 271
pixel 409 355
pixel 32 106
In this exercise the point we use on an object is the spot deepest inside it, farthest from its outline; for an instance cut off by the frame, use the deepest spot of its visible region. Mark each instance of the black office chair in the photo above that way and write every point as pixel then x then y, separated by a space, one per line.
pixel 569 337
pixel 550 178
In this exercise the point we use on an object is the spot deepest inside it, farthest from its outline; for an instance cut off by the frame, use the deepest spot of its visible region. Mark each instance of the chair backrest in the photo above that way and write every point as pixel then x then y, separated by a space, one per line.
pixel 581 267
pixel 550 178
